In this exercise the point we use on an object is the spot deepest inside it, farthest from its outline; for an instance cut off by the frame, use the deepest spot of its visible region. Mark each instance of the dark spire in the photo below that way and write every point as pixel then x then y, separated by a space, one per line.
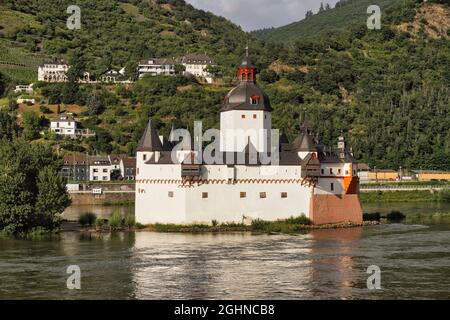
pixel 150 140
pixel 305 140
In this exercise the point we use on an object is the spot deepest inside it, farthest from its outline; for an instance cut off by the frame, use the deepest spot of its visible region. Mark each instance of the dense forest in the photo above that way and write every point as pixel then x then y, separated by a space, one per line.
pixel 387 89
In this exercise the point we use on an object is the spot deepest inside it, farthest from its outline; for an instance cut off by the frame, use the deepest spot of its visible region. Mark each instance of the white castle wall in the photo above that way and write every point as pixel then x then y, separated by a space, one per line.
pixel 223 202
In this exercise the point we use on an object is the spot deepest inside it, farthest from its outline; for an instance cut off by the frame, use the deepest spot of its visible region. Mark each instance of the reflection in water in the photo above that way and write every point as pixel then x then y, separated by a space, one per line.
pixel 322 264
pixel 336 248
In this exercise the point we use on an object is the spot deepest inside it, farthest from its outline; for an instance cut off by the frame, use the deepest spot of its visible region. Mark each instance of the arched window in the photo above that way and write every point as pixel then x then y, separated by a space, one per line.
pixel 244 77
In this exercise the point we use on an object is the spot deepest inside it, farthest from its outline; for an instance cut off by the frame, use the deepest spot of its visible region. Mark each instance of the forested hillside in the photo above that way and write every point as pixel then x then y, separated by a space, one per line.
pixel 387 89
pixel 345 14
pixel 113 33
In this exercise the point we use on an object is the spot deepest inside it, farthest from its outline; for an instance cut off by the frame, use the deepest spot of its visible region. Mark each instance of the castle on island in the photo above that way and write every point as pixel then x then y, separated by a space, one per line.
pixel 176 185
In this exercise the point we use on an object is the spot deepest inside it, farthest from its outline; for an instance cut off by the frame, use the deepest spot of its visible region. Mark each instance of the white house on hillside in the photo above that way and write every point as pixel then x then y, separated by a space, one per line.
pixel 53 71
pixel 24 88
pixel 112 75
pixel 196 65
pixel 64 124
pixel 156 67
pixel 100 168
pixel 56 71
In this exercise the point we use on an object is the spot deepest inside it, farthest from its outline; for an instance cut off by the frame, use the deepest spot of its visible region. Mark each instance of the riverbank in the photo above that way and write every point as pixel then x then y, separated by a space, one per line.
pixel 405 196
pixel 290 226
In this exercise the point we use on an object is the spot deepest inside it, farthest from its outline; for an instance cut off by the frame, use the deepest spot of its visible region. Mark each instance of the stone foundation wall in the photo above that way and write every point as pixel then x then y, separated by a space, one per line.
pixel 327 209
pixel 90 199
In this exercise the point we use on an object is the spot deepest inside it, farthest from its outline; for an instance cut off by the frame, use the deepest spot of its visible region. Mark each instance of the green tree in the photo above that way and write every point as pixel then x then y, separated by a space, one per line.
pixel 52 198
pixel 31 125
pixel 75 73
pixel 28 182
pixel 8 125
pixel 179 69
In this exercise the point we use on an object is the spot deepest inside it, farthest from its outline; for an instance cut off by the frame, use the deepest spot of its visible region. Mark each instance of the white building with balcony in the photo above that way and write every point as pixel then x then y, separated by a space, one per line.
pixel 156 67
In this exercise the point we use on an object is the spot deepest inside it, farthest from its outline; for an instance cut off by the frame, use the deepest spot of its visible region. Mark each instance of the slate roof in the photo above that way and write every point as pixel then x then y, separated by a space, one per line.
pixel 150 140
pixel 200 59
pixel 240 98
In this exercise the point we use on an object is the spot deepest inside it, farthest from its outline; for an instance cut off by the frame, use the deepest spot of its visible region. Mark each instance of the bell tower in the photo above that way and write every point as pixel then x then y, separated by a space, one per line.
pixel 245 116
pixel 246 69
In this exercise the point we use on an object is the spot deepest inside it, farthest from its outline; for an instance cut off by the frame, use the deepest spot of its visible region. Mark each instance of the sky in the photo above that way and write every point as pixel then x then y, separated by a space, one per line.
pixel 258 14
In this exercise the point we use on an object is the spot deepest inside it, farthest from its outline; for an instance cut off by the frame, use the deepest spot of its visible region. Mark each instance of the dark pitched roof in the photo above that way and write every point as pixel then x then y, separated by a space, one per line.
pixel 193 58
pixel 150 140
pixel 75 159
pixel 63 118
pixel 240 98
pixel 99 160
pixel 53 62
pixel 129 162
pixel 158 61
pixel 333 157
pixel 305 140
pixel 247 62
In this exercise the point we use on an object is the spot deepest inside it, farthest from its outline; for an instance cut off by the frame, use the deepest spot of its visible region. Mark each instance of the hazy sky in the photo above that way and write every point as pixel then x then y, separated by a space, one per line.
pixel 257 14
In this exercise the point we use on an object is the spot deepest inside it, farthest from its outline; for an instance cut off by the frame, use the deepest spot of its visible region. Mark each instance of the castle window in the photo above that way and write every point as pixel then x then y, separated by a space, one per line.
pixel 262 195
pixel 332 186
pixel 331 170
pixel 339 171
pixel 170 194
pixel 254 100
pixel 243 116
pixel 254 116
pixel 243 195
pixel 284 195
pixel 323 171
pixel 145 157
pixel 204 195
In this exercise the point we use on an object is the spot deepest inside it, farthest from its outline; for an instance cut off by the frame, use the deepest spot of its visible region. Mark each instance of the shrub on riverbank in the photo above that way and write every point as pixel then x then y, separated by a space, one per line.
pixel 130 221
pixel 376 216
pixel 115 221
pixel 99 224
pixel 288 226
pixel 87 219
pixel 395 216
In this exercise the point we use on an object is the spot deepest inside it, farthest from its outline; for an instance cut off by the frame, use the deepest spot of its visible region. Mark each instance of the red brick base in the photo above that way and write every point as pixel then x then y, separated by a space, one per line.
pixel 327 209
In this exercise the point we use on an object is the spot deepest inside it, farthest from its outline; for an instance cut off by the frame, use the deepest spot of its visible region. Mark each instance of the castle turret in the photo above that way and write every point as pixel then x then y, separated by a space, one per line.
pixel 246 113
pixel 150 145
pixel 304 143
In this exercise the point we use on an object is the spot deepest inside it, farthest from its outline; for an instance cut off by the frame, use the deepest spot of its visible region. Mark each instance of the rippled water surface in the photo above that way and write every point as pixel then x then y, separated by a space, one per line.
pixel 414 260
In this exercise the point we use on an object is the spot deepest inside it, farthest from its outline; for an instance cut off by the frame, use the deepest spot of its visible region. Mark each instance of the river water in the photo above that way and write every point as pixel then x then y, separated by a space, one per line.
pixel 414 259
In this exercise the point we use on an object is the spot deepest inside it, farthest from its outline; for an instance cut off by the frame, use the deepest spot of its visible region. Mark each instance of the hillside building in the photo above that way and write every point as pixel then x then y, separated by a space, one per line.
pixel 196 65
pixel 156 67
pixel 64 124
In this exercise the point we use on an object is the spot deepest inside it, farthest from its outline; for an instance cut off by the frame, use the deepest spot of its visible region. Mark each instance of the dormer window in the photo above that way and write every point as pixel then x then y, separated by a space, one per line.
pixel 254 100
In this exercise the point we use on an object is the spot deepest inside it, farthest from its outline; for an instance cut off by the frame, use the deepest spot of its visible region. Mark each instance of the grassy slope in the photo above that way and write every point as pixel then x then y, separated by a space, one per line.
pixel 338 18
pixel 15 61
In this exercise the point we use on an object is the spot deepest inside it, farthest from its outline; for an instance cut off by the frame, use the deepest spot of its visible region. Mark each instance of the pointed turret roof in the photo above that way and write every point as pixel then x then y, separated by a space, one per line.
pixel 305 140
pixel 150 140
